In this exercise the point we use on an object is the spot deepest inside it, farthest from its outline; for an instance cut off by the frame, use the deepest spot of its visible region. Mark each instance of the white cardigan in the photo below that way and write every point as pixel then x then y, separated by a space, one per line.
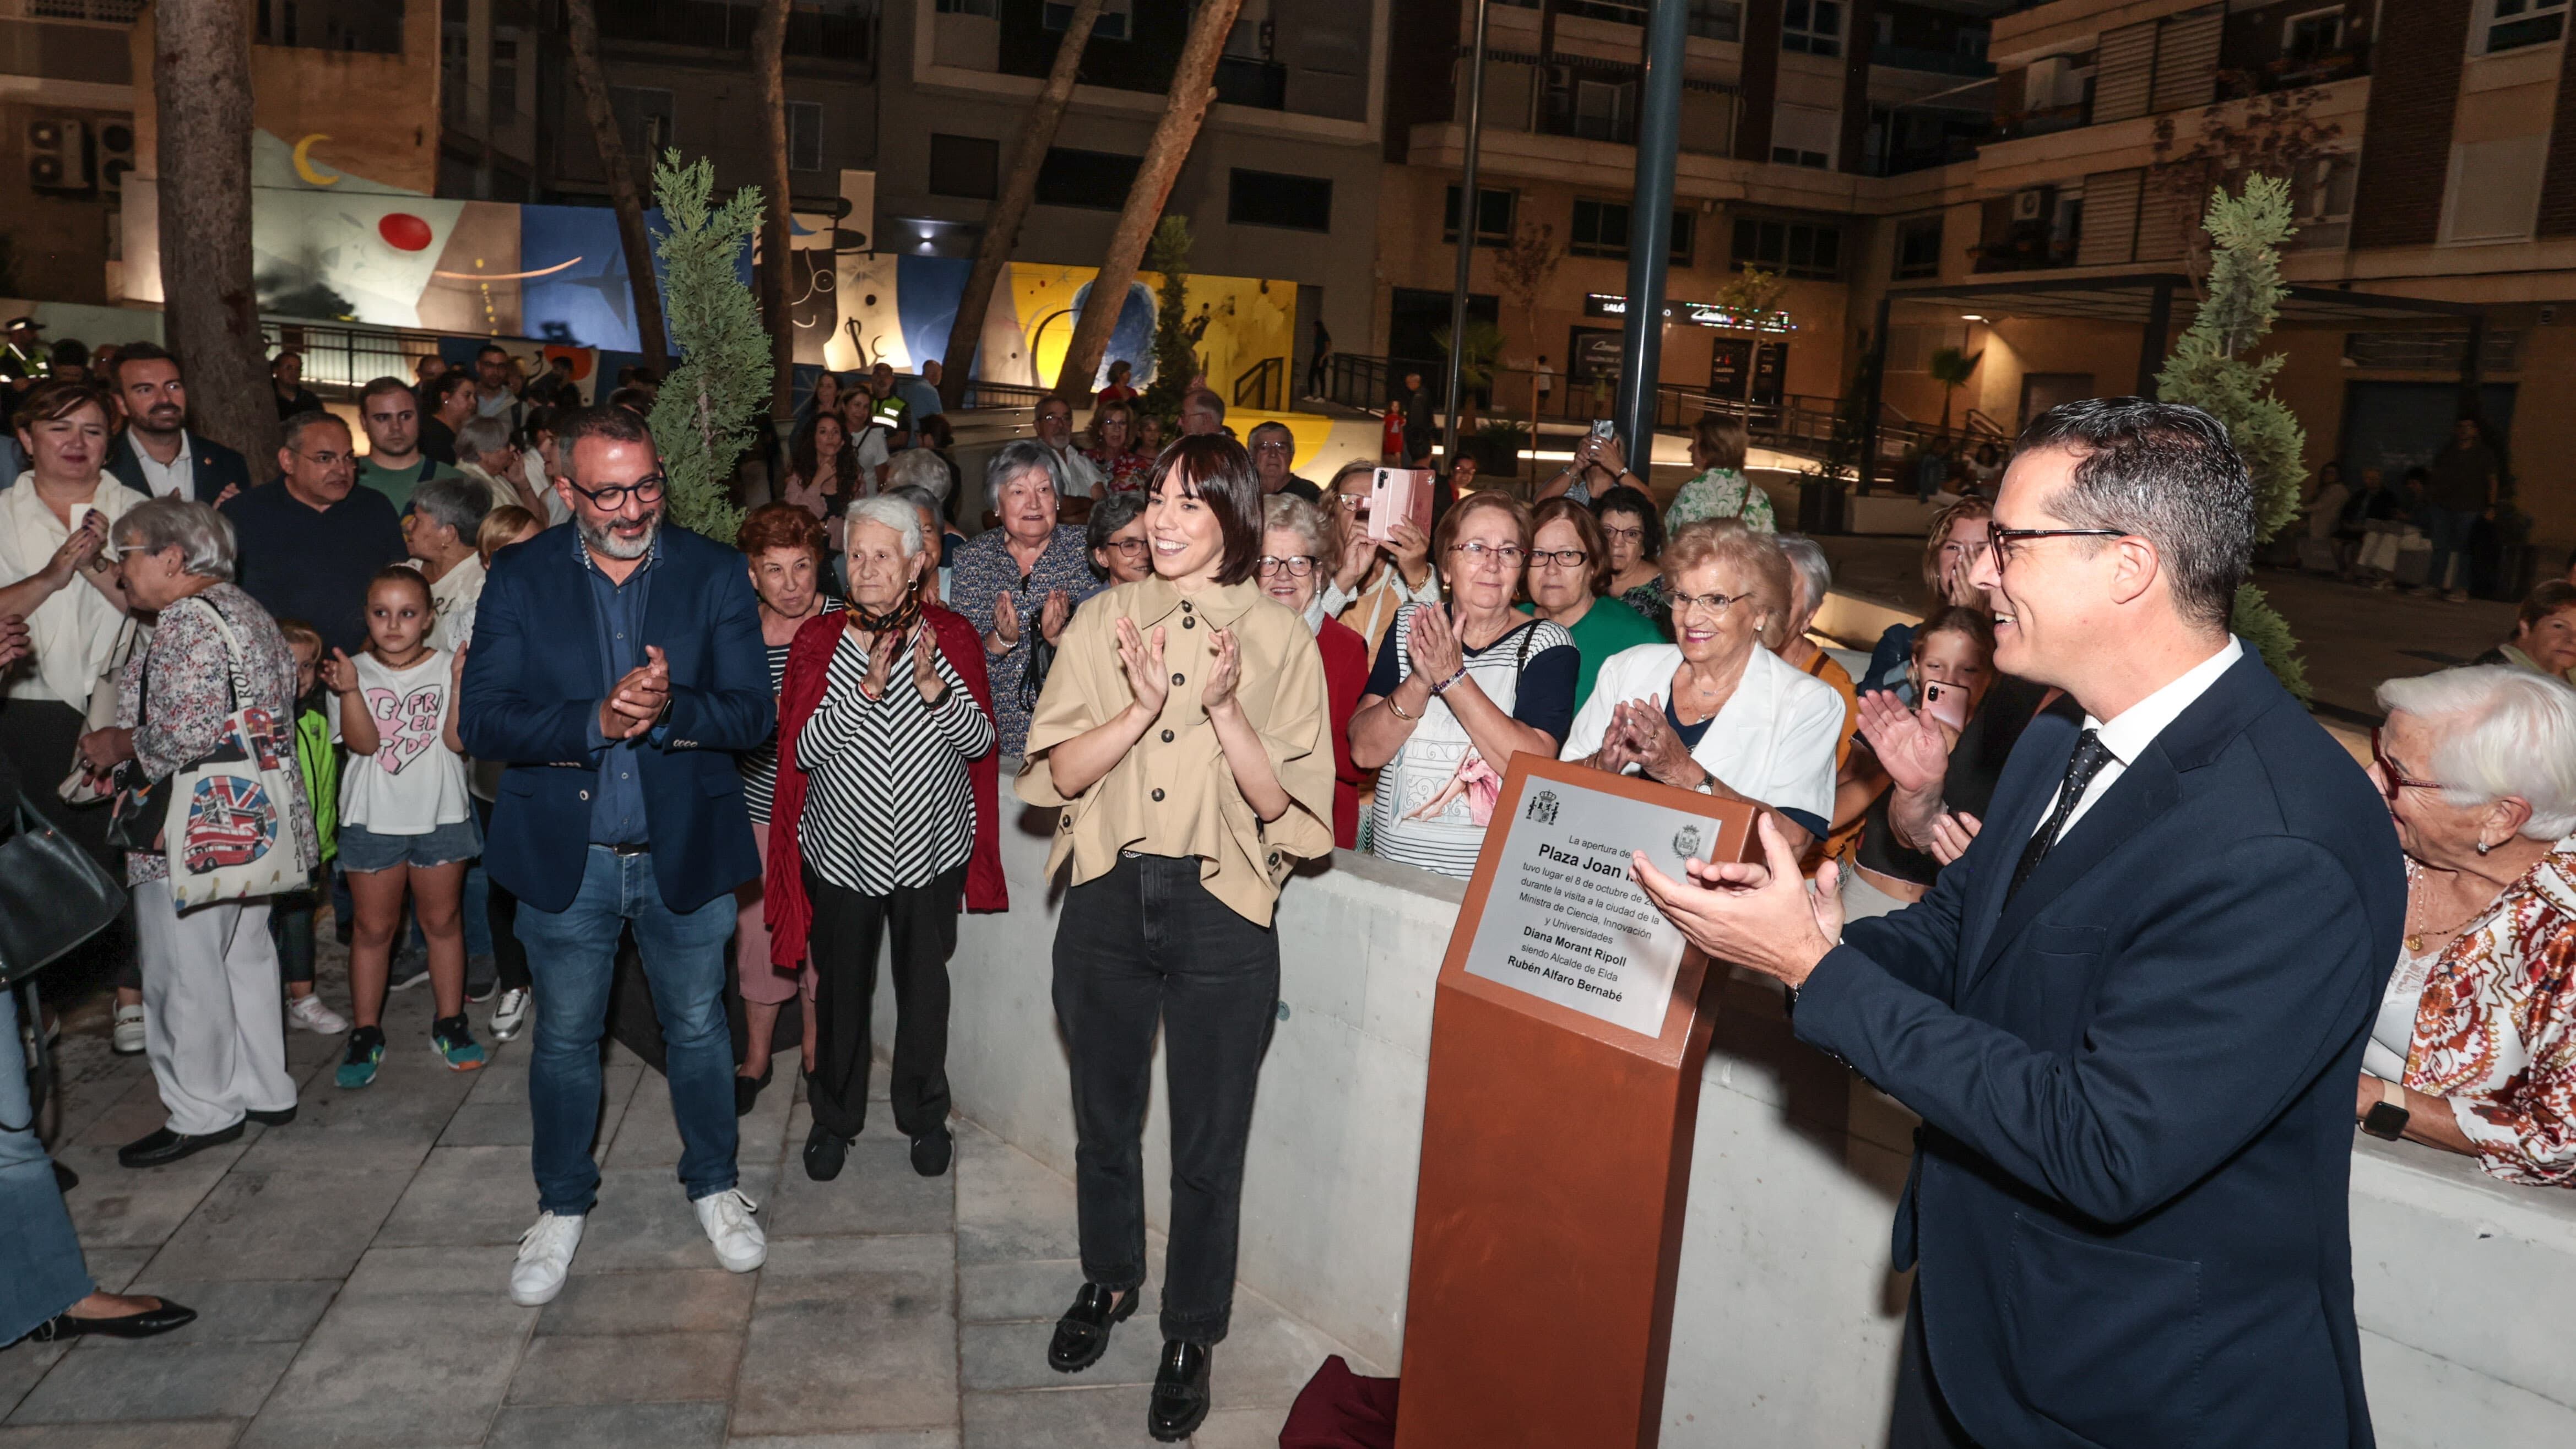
pixel 1773 740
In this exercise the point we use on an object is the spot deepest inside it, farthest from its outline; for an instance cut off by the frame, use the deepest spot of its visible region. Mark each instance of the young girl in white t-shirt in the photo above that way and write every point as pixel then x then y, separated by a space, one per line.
pixel 405 819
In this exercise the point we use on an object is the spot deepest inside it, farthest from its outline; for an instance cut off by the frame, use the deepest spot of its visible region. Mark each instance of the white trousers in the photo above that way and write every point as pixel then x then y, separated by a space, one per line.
pixel 213 1025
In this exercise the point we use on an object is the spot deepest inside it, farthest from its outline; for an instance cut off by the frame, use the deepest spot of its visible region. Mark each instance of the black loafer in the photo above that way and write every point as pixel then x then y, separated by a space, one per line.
pixel 746 1092
pixel 1180 1402
pixel 1082 1334
pixel 932 1150
pixel 162 1146
pixel 161 1318
pixel 825 1151
pixel 278 1118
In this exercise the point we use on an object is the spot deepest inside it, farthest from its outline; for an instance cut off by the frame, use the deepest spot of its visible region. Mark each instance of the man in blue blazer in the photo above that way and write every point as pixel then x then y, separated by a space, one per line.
pixel 2131 1012
pixel 617 665
pixel 157 456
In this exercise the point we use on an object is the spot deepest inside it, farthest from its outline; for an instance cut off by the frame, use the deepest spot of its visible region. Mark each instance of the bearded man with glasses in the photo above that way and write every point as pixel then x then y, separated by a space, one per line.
pixel 617 668
pixel 2131 1015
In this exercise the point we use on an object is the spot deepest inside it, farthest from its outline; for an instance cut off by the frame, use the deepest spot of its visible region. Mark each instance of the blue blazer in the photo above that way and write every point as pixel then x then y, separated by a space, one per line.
pixel 212 465
pixel 533 683
pixel 2128 1199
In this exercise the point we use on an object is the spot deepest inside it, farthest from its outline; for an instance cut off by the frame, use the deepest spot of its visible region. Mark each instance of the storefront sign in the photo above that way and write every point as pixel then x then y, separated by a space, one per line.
pixel 1698 314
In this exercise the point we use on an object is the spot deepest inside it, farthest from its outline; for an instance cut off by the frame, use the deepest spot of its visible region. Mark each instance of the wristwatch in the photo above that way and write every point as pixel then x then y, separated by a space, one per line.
pixel 2387 1117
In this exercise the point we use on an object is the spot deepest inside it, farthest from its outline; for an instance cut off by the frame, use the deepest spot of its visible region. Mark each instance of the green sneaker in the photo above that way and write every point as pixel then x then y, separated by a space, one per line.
pixel 366 1053
pixel 452 1037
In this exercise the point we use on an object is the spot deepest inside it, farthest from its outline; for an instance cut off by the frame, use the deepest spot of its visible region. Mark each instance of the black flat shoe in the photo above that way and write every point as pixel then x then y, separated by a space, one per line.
pixel 1180 1402
pixel 160 1319
pixel 65 1178
pixel 162 1146
pixel 746 1092
pixel 824 1153
pixel 278 1118
pixel 932 1150
pixel 1082 1334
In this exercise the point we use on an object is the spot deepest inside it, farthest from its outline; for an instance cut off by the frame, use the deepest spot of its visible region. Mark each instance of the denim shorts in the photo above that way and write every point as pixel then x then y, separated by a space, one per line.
pixel 364 851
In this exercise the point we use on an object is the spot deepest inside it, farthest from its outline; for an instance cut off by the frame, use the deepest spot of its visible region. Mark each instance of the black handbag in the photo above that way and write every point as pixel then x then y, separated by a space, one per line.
pixel 53 894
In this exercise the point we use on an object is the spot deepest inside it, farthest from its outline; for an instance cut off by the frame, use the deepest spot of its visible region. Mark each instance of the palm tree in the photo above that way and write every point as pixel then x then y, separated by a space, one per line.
pixel 1950 367
pixel 769 73
pixel 592 82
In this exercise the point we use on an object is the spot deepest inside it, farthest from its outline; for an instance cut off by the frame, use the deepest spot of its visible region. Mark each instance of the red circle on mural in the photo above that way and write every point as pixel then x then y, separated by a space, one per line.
pixel 403 231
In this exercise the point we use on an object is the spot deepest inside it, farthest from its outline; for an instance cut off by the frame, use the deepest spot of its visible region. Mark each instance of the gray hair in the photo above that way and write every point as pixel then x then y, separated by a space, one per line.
pixel 923 469
pixel 202 535
pixel 480 438
pixel 1272 426
pixel 1020 455
pixel 1807 559
pixel 2498 731
pixel 297 425
pixel 919 497
pixel 2163 472
pixel 456 502
pixel 895 513
pixel 1288 511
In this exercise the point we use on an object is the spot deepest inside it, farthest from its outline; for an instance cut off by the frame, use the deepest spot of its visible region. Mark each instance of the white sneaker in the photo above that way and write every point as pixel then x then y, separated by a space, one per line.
pixel 740 1245
pixel 510 1014
pixel 545 1256
pixel 309 1013
pixel 129 1030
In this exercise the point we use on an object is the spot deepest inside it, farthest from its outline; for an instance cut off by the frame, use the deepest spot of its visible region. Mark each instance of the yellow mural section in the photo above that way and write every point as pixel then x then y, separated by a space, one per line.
pixel 1238 321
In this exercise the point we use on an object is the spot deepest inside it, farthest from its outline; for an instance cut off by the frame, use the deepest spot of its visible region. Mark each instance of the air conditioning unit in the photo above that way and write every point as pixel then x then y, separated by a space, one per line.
pixel 115 156
pixel 2032 205
pixel 58 154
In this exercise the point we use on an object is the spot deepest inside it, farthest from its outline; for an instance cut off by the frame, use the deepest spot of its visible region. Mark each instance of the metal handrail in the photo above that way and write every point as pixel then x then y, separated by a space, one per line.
pixel 1262 385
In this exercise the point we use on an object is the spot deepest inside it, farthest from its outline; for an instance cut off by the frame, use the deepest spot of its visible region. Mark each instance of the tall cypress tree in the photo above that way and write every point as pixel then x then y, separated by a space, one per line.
pixel 2208 369
pixel 703 420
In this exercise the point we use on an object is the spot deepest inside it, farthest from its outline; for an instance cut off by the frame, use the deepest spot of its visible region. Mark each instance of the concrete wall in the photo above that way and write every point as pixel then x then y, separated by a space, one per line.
pixel 1787 1317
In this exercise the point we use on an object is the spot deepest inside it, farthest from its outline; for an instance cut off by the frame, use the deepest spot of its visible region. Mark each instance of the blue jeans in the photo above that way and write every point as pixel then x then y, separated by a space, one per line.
pixel 41 1269
pixel 572 953
pixel 2448 528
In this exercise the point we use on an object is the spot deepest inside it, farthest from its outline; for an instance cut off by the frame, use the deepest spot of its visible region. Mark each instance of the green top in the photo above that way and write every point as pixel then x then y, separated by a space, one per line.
pixel 1721 493
pixel 398 483
pixel 320 765
pixel 1606 628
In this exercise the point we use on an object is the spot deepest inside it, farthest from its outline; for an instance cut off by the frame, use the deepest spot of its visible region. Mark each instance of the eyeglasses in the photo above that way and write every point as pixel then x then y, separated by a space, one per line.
pixel 1559 558
pixel 2007 542
pixel 1295 568
pixel 1274 445
pixel 1479 553
pixel 647 489
pixel 1714 605
pixel 1127 547
pixel 1353 501
pixel 1625 535
pixel 2393 779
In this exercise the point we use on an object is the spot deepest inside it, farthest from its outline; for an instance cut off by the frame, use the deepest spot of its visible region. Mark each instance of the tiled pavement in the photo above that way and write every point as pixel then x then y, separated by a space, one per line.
pixel 350 1269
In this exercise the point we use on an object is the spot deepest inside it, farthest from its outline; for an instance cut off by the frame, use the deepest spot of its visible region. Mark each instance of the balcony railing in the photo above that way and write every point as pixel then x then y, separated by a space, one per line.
pixel 2289 73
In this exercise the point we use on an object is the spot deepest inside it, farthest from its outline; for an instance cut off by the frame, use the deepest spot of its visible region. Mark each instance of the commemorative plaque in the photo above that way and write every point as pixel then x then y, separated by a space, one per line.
pixel 1566 1044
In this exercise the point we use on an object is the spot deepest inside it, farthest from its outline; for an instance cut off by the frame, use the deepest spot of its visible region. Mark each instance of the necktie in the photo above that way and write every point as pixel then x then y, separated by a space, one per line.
pixel 2087 761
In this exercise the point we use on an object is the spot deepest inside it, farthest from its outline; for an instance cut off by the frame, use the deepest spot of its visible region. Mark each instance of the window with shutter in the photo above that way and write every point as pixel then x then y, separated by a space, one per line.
pixel 2495 188
pixel 2163 211
pixel 2187 59
pixel 2124 72
pixel 2110 217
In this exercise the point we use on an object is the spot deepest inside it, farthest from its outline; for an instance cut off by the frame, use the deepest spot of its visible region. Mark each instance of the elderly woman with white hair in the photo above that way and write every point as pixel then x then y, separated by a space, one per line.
pixel 926 472
pixel 1018 583
pixel 213 1029
pixel 2474 1050
pixel 1811 577
pixel 884 806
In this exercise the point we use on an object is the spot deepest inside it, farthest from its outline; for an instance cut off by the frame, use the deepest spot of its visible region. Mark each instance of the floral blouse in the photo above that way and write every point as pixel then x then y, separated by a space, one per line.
pixel 984 572
pixel 1648 600
pixel 1124 471
pixel 1721 493
pixel 189 679
pixel 2495 1030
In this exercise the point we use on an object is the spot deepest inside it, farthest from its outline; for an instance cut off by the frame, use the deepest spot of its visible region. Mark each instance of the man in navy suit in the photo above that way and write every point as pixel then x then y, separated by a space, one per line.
pixel 157 456
pixel 2130 1014
pixel 617 665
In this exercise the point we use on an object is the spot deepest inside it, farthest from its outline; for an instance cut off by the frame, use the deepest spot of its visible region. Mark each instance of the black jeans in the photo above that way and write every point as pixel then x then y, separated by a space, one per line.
pixel 290 925
pixel 501 912
pixel 1145 945
pixel 842 952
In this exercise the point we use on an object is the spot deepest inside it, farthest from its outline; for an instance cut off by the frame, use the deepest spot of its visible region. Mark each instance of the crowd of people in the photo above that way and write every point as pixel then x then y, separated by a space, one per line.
pixel 527 715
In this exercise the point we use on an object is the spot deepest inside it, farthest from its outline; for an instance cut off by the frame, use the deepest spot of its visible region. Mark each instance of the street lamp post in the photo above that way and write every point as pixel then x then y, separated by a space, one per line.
pixel 1466 236
pixel 1650 226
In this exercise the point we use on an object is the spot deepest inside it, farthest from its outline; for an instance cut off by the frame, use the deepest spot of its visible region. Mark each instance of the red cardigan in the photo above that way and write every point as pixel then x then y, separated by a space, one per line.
pixel 1346 671
pixel 809 666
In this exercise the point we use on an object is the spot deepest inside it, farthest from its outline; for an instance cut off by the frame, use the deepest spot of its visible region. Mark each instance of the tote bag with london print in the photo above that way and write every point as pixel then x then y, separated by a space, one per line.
pixel 229 835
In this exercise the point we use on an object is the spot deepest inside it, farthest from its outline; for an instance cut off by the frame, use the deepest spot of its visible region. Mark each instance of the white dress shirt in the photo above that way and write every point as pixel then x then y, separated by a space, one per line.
pixel 2136 727
pixel 176 479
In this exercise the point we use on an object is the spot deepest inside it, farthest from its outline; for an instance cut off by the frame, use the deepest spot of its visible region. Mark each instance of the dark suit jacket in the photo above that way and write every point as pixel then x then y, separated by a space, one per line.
pixel 2128 1200
pixel 533 683
pixel 215 467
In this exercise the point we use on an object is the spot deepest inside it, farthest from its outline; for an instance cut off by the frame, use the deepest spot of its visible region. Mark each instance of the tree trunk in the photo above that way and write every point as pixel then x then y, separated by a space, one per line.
pixel 593 85
pixel 1193 88
pixel 769 68
pixel 201 72
pixel 1011 208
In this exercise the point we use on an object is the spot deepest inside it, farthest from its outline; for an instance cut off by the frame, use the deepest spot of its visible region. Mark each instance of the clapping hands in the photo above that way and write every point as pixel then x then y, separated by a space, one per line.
pixel 1640 735
pixel 638 701
pixel 1913 747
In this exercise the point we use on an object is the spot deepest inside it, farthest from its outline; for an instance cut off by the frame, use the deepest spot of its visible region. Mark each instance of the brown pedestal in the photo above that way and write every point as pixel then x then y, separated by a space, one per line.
pixel 1556 1154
